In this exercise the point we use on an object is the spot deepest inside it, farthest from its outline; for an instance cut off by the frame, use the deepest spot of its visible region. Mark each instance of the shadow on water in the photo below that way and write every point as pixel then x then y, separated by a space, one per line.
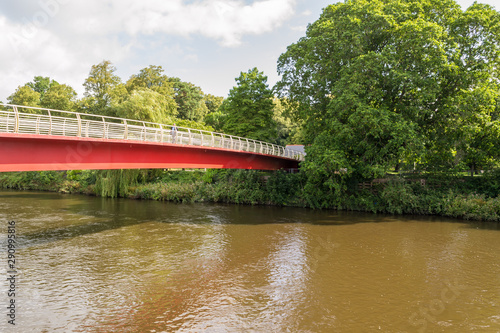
pixel 85 215
pixel 93 215
pixel 483 225
pixel 14 194
pixel 57 234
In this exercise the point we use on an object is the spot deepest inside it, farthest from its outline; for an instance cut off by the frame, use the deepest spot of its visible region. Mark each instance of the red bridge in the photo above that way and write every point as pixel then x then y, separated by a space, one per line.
pixel 36 139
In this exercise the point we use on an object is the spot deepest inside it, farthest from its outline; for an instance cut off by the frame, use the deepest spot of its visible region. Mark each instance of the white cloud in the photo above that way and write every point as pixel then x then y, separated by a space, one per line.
pixel 223 20
pixel 299 28
pixel 63 38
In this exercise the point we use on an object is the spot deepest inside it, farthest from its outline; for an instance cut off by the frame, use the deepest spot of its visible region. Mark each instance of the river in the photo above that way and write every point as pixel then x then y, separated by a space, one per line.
pixel 86 264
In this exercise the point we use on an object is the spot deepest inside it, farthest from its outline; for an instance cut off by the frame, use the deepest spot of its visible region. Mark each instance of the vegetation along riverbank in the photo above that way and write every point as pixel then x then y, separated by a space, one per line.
pixel 465 197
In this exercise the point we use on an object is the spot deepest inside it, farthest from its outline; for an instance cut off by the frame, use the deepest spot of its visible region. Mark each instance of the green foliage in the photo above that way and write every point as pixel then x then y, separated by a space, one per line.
pixel 287 128
pixel 83 177
pixel 116 183
pixel 380 83
pixel 99 87
pixel 216 120
pixel 147 105
pixel 46 93
pixel 193 124
pixel 41 84
pixel 59 97
pixel 42 180
pixel 151 77
pixel 147 96
pixel 25 96
pixel 249 108
pixel 212 102
pixel 474 207
pixel 190 100
pixel 215 116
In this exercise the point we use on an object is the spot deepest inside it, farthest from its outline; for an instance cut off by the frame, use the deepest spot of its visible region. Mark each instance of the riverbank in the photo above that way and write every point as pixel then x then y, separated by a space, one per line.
pixel 470 198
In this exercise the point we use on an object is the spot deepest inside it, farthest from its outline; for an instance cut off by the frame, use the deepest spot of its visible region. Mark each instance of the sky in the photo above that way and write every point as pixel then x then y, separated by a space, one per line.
pixel 205 42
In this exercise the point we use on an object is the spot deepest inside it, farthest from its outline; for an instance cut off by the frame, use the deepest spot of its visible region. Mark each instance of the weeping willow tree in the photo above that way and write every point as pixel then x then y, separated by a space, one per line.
pixel 115 183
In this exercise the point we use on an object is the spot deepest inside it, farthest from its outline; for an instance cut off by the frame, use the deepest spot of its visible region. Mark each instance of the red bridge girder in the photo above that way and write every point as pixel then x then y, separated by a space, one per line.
pixel 27 152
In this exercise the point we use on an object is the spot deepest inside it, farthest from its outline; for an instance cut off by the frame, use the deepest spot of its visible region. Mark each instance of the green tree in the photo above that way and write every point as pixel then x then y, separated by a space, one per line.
pixel 99 87
pixel 147 105
pixel 25 96
pixel 152 78
pixel 380 83
pixel 60 97
pixel 212 102
pixel 215 116
pixel 288 127
pixel 190 100
pixel 249 108
pixel 216 120
pixel 41 84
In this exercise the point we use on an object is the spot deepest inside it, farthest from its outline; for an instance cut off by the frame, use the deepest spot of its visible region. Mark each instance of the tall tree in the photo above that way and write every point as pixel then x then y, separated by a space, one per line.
pixel 215 116
pixel 147 105
pixel 41 84
pixel 152 79
pixel 212 102
pixel 190 100
pixel 287 127
pixel 99 87
pixel 249 108
pixel 60 97
pixel 24 95
pixel 383 82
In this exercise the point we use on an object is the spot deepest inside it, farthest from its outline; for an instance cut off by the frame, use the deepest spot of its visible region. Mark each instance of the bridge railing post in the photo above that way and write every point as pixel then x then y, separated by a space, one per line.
pixel 190 137
pixel 16 120
pixel 79 133
pixel 125 130
pixel 50 122
pixel 103 128
pixel 161 133
pixel 37 130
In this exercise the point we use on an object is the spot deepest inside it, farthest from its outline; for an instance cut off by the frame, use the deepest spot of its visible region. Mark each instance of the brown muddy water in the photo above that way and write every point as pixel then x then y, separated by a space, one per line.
pixel 86 264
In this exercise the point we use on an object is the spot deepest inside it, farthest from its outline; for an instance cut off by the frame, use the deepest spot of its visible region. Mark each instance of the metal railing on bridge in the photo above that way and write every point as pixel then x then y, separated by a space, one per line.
pixel 41 121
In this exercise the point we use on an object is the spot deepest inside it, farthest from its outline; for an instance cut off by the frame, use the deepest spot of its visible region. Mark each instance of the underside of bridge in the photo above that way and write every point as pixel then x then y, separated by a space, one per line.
pixel 26 152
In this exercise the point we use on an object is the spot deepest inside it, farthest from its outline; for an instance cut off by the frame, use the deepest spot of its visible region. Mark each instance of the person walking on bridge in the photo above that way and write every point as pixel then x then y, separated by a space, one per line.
pixel 173 133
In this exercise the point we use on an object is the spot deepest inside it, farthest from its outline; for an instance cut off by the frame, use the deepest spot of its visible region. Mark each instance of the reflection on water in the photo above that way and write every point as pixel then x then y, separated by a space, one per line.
pixel 101 265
